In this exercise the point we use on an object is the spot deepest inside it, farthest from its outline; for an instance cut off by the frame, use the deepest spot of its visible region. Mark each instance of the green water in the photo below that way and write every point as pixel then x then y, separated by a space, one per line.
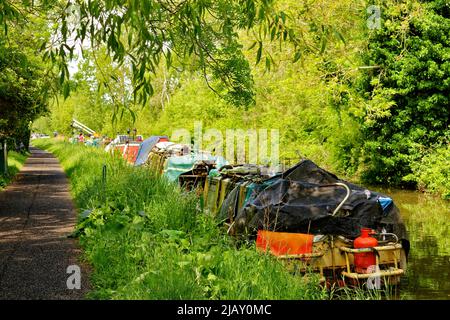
pixel 427 219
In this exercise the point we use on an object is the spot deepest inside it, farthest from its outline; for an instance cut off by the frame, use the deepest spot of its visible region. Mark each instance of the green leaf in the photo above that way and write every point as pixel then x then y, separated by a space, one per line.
pixel 273 32
pixel 62 76
pixel 133 115
pixel 339 36
pixel 66 90
pixel 323 45
pixel 253 45
pixel 259 53
pixel 283 16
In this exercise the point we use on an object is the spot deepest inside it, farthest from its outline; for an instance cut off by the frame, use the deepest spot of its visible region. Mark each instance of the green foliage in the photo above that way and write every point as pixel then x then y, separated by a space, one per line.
pixel 42 125
pixel 407 109
pixel 25 81
pixel 307 101
pixel 148 33
pixel 144 34
pixel 432 172
pixel 21 100
pixel 370 103
pixel 147 239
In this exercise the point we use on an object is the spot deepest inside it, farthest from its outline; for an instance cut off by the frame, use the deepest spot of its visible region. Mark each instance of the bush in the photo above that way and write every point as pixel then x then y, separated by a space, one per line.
pixel 432 173
pixel 408 93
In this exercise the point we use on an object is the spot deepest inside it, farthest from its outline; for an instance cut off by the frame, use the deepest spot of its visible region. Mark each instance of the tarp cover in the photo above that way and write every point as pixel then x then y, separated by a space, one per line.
pixel 146 147
pixel 177 165
pixel 303 198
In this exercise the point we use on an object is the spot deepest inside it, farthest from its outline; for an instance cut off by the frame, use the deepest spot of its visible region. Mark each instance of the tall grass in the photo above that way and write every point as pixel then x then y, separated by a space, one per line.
pixel 15 163
pixel 147 239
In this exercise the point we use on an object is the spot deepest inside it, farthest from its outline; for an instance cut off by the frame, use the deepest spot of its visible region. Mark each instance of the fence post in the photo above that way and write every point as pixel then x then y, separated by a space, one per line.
pixel 3 157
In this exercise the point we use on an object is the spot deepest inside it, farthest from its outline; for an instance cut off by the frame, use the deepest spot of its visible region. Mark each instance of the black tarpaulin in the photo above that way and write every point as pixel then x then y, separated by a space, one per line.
pixel 304 198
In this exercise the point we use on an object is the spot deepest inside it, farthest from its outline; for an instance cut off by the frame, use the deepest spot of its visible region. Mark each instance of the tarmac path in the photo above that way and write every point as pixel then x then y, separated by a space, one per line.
pixel 36 216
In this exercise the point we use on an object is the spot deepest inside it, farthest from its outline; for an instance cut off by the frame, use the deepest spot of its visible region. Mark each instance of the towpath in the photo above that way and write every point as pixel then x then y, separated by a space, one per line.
pixel 36 216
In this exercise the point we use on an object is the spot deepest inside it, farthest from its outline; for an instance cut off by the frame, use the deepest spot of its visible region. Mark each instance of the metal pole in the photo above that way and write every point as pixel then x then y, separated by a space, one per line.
pixel 104 182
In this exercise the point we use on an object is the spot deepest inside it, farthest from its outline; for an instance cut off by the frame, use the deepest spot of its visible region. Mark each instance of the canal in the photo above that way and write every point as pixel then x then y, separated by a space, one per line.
pixel 427 219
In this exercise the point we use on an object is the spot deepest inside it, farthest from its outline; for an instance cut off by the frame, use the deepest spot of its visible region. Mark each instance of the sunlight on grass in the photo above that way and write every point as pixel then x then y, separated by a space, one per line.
pixel 15 163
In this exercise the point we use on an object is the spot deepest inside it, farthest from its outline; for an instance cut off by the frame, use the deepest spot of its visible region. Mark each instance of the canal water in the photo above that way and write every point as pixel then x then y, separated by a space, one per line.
pixel 427 220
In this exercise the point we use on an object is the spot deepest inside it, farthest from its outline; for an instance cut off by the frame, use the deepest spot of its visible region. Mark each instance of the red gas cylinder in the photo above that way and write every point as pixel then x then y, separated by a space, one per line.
pixel 365 259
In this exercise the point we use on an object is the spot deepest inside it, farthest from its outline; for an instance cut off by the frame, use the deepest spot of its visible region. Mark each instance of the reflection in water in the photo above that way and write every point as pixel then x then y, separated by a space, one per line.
pixel 427 219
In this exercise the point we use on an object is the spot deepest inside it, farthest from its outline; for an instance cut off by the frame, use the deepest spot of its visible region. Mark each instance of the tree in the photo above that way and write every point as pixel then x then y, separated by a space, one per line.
pixel 148 33
pixel 21 99
pixel 25 81
pixel 145 34
pixel 408 112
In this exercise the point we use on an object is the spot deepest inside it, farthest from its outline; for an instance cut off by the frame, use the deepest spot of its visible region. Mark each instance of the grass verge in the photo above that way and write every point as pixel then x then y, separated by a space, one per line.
pixel 146 239
pixel 15 163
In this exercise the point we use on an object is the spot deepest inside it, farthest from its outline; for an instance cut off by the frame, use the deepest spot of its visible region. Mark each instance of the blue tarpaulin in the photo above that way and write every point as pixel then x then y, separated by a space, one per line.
pixel 145 149
pixel 385 202
pixel 178 165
